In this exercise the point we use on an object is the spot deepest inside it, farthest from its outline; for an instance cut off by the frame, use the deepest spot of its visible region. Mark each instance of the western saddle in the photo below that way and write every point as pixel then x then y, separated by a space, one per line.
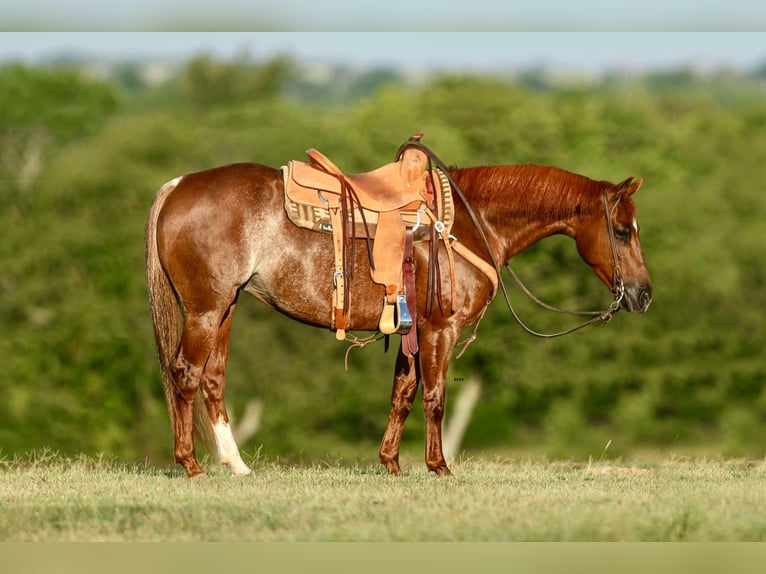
pixel 392 207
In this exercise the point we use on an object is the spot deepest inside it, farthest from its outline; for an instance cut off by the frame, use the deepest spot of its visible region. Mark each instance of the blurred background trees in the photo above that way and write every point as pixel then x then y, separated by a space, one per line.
pixel 83 156
pixel 40 107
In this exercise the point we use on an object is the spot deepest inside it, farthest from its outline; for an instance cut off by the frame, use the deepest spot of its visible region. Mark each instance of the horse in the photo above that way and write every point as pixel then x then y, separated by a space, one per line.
pixel 215 233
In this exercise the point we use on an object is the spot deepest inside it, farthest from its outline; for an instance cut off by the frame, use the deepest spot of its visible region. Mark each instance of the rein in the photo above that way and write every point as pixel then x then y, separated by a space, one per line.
pixel 597 316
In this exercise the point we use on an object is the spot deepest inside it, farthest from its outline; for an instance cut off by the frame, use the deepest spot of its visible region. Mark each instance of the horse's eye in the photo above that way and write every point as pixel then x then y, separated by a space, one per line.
pixel 622 233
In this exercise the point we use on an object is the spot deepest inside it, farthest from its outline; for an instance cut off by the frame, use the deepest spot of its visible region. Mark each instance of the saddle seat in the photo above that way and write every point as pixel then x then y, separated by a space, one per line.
pixel 312 187
pixel 392 186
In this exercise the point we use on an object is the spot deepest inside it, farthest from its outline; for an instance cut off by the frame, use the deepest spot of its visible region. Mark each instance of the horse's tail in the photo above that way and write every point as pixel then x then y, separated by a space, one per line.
pixel 166 313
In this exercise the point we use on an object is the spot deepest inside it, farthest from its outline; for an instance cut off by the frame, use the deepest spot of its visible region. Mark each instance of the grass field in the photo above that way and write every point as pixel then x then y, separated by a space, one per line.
pixel 45 497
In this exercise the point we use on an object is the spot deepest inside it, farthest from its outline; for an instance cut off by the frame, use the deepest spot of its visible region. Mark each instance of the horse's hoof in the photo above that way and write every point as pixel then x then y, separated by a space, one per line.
pixel 239 468
pixel 441 470
pixel 392 466
pixel 395 471
pixel 194 470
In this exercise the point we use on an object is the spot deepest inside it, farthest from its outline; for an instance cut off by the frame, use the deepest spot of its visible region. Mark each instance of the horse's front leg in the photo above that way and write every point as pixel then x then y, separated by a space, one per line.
pixel 435 351
pixel 406 380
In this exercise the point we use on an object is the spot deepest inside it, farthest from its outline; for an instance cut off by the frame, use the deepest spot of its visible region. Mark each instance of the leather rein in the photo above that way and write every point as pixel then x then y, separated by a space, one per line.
pixel 597 316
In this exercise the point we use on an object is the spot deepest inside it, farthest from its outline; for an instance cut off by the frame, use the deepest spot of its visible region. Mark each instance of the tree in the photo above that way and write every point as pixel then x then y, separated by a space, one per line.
pixel 207 83
pixel 41 106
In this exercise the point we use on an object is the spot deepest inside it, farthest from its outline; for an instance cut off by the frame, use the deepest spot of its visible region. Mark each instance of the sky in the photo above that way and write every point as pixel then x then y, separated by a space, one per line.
pixel 349 15
pixel 582 51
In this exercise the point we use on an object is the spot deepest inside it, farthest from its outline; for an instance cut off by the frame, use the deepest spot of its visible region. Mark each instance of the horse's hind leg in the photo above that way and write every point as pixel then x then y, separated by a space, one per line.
pixel 406 379
pixel 197 341
pixel 213 386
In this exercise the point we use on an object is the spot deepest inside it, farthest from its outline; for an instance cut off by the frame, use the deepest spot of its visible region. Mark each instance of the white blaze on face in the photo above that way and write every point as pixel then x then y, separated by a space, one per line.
pixel 228 451
pixel 635 226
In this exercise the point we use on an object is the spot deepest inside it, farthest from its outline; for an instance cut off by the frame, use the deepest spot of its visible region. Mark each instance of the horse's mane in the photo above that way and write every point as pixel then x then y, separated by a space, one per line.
pixel 530 191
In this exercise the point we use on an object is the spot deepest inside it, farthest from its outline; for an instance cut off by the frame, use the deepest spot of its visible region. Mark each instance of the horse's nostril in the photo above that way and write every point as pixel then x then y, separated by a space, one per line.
pixel 644 297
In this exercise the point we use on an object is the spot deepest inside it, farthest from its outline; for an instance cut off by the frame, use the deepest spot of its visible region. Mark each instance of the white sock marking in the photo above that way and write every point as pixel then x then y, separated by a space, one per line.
pixel 227 448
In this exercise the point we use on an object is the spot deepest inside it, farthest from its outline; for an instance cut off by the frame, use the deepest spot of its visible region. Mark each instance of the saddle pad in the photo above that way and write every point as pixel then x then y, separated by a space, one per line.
pixel 308 195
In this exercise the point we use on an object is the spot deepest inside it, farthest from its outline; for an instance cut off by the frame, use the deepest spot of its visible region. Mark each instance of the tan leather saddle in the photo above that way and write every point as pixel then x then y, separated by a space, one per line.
pixel 391 207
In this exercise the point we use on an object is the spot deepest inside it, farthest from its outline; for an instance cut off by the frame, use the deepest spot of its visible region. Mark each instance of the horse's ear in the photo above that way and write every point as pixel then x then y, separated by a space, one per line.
pixel 635 186
pixel 628 187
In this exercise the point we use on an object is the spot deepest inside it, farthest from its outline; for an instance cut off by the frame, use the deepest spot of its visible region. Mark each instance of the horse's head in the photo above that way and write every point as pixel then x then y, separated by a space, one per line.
pixel 608 241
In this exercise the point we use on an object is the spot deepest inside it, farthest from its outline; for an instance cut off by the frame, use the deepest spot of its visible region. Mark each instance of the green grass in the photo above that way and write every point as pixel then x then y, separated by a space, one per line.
pixel 45 497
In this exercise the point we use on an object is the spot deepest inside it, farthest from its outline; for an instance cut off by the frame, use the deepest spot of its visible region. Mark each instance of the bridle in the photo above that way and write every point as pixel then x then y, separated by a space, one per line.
pixel 618 289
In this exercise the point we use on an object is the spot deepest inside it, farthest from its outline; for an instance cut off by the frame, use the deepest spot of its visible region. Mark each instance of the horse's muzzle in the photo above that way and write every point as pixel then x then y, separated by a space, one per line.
pixel 637 298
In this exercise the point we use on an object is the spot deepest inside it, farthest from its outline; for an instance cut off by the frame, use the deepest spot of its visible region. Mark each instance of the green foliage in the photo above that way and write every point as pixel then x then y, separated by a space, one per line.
pixel 80 372
pixel 208 83
pixel 39 108
pixel 60 100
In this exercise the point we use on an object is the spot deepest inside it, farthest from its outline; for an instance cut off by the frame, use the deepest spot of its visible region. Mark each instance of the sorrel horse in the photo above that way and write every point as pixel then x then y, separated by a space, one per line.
pixel 218 232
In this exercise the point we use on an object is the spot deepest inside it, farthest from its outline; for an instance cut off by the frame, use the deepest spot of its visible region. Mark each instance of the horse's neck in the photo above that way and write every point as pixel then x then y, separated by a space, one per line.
pixel 522 204
pixel 518 238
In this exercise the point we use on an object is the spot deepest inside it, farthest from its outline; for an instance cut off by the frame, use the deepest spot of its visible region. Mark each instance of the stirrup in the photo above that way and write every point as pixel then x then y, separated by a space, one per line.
pixel 404 318
pixel 396 317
